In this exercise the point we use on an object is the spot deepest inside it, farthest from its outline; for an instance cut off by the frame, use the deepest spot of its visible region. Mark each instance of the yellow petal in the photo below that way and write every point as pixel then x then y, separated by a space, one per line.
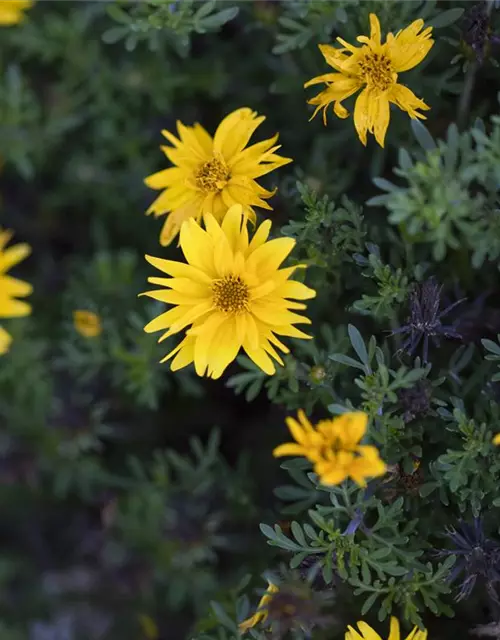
pixel 164 178
pixel 235 131
pixel 410 46
pixel 374 29
pixel 198 247
pixel 10 308
pixel 406 100
pixel 394 631
pixel 368 632
pixel 380 118
pixel 289 449
pixel 361 115
pixel 496 439
pixel 13 287
pixel 13 255
pixel 179 269
pixel 350 428
pixel 5 341
pixel 260 357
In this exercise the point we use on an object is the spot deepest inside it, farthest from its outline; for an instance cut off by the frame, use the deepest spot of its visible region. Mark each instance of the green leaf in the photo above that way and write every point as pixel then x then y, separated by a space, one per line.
pixel 368 604
pixel 489 345
pixel 350 362
pixel 357 343
pixel 445 19
pixel 298 533
pixel 205 9
pixel 422 135
pixel 218 19
pixel 384 184
pixel 267 531
pixel 114 34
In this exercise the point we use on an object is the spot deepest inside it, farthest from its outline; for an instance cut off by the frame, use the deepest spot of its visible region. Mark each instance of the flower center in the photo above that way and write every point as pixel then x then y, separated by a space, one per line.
pixel 212 176
pixel 230 294
pixel 377 70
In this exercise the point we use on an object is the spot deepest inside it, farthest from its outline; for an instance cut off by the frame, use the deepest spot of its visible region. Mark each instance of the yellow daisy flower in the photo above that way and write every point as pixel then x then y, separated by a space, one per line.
pixel 496 439
pixel 211 174
pixel 232 293
pixel 261 614
pixel 12 11
pixel 11 288
pixel 374 67
pixel 87 323
pixel 333 448
pixel 367 633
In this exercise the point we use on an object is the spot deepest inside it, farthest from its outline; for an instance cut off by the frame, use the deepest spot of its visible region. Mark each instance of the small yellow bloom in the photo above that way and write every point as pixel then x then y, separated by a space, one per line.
pixel 261 614
pixel 333 448
pixel 367 633
pixel 373 67
pixel 149 627
pixel 87 323
pixel 12 11
pixel 212 174
pixel 496 439
pixel 231 293
pixel 11 288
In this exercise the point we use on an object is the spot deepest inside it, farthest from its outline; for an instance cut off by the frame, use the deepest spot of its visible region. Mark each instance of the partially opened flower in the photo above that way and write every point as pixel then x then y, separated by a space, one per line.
pixel 231 293
pixel 367 633
pixel 373 67
pixel 87 323
pixel 11 288
pixel 12 11
pixel 333 448
pixel 261 613
pixel 212 174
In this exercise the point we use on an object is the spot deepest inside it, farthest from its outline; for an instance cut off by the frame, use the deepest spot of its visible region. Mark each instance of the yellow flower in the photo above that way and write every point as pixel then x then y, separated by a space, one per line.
pixel 367 633
pixel 11 288
pixel 374 67
pixel 87 323
pixel 148 627
pixel 232 292
pixel 12 11
pixel 211 174
pixel 496 439
pixel 261 614
pixel 333 448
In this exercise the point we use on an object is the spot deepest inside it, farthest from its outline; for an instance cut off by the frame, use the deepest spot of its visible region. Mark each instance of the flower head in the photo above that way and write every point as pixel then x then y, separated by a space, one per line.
pixel 496 439
pixel 425 318
pixel 87 323
pixel 293 606
pixel 367 633
pixel 11 288
pixel 261 614
pixel 373 67
pixel 476 32
pixel 333 448
pixel 231 293
pixel 478 557
pixel 212 174
pixel 12 11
